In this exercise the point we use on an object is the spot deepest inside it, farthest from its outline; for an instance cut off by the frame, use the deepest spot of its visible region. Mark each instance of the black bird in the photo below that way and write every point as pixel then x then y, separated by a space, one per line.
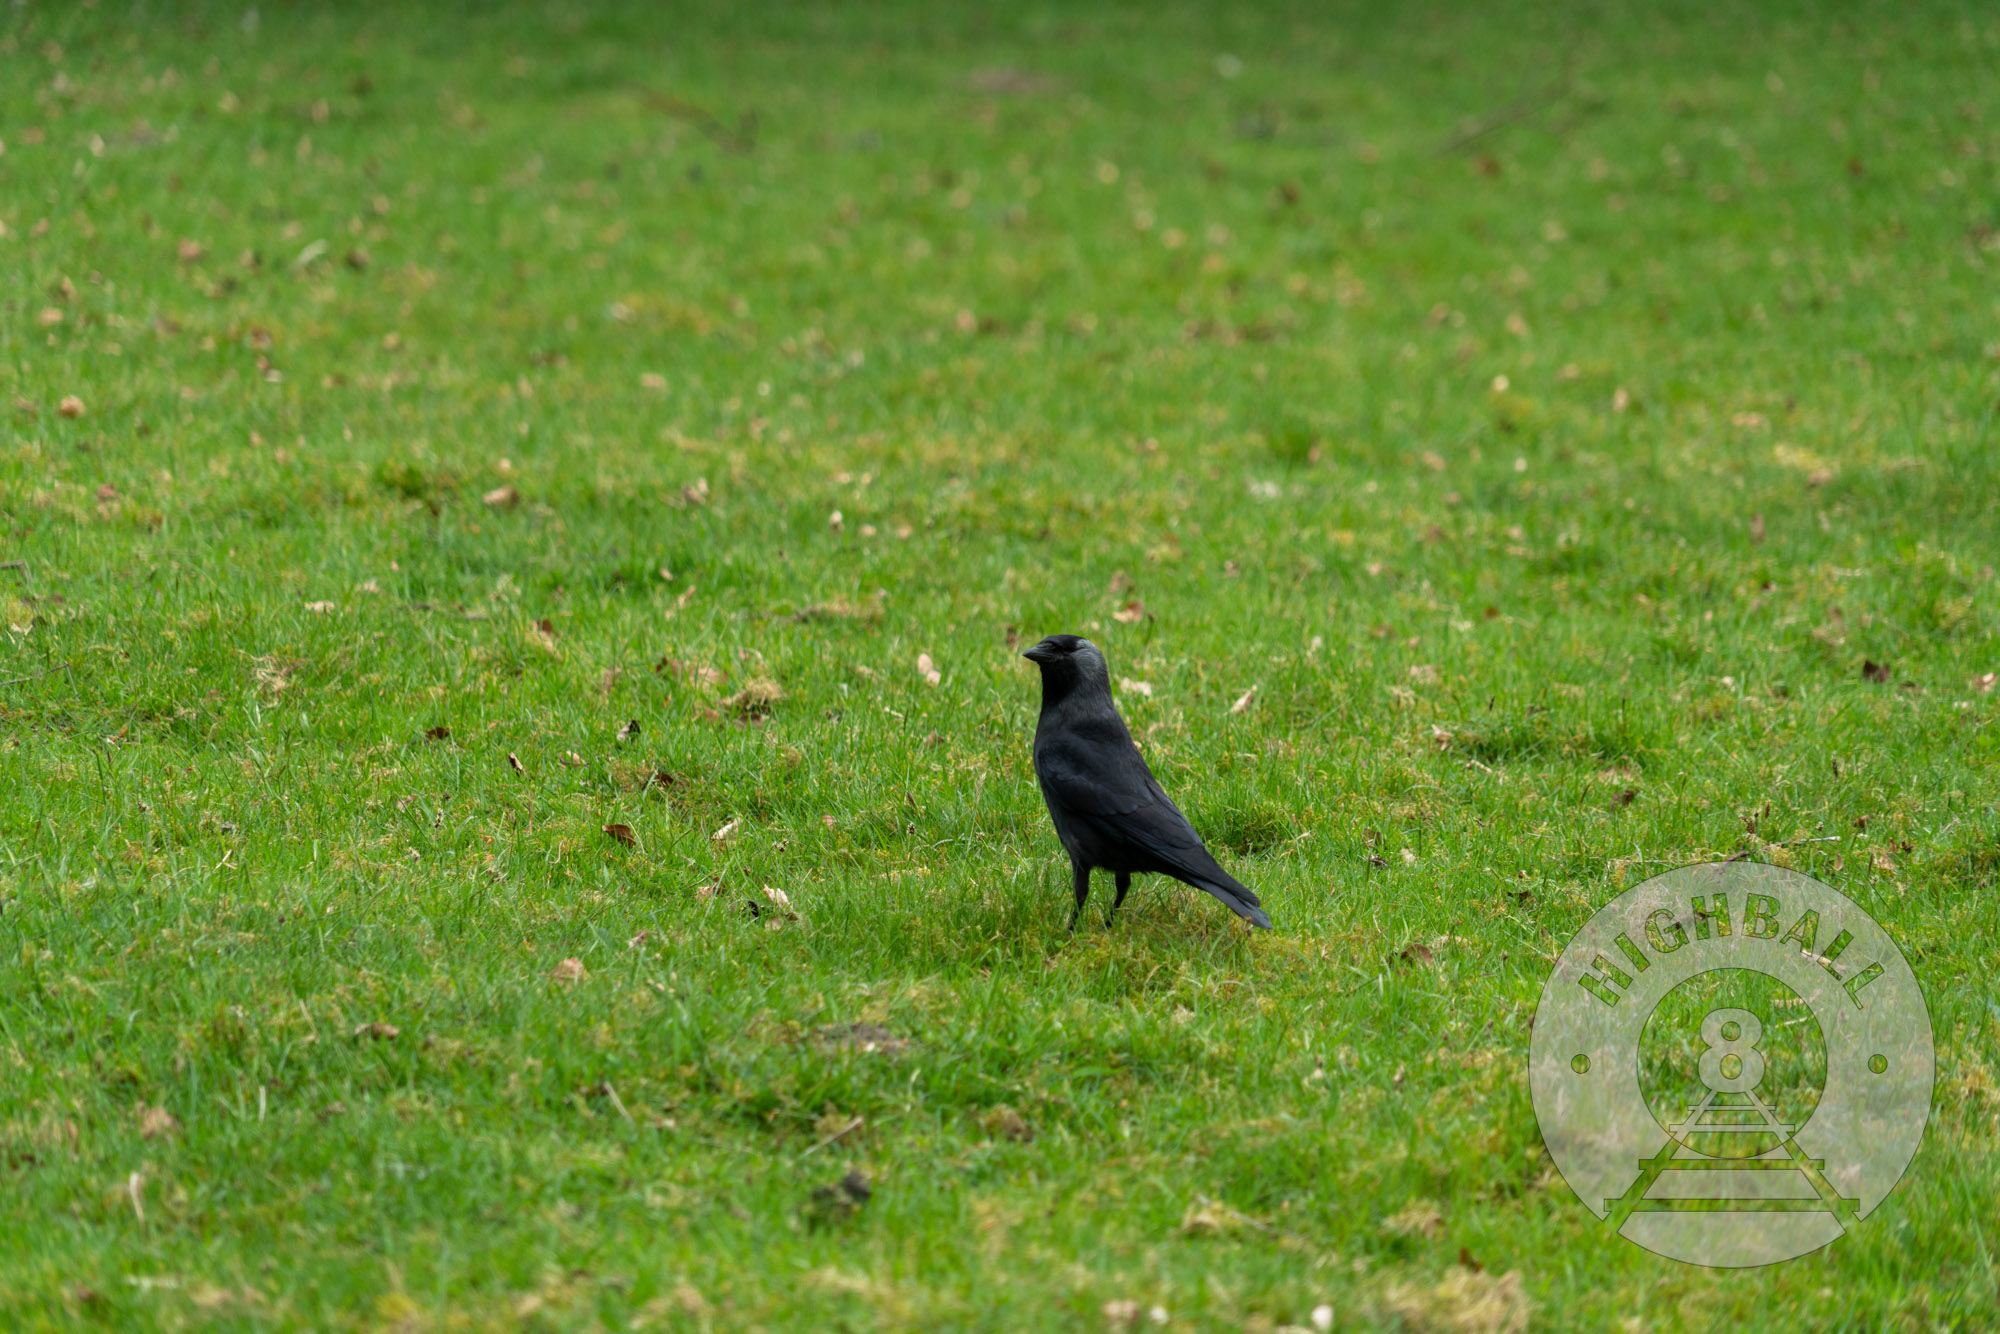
pixel 1108 809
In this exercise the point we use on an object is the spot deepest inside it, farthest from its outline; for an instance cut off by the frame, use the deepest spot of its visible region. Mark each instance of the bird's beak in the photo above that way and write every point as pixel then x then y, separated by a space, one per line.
pixel 1039 653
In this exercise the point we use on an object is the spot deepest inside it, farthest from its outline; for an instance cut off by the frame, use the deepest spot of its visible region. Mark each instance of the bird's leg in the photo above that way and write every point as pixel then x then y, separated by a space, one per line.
pixel 1081 873
pixel 1124 881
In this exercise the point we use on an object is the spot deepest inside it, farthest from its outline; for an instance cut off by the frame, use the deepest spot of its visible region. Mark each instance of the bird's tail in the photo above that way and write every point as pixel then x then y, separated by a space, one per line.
pixel 1241 899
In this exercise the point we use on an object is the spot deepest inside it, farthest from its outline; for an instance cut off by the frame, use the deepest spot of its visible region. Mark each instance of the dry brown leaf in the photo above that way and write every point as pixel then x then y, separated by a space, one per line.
pixel 1877 672
pixel 724 834
pixel 623 834
pixel 71 406
pixel 1984 684
pixel 569 972
pixel 1242 704
pixel 1121 1314
pixel 438 733
pixel 629 730
pixel 380 1031
pixel 1416 952
pixel 321 608
pixel 514 762
pixel 1131 613
pixel 1465 1302
pixel 755 699
pixel 502 497
pixel 158 1123
pixel 927 669
pixel 1419 1218
pixel 692 672
pixel 1003 1122
pixel 868 1039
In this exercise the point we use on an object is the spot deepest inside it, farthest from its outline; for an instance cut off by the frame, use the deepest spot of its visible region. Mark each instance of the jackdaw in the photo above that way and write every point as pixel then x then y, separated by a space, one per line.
pixel 1108 809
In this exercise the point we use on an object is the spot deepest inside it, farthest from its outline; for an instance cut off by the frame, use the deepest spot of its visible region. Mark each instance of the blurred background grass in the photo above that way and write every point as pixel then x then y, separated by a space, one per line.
pixel 1564 429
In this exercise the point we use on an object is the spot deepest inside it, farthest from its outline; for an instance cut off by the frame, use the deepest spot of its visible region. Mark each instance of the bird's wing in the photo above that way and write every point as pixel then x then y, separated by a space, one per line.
pixel 1093 775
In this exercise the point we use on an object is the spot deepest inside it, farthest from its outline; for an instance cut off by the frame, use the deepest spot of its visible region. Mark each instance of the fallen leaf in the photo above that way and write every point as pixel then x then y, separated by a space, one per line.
pixel 320 608
pixel 106 493
pixel 778 897
pixel 868 1039
pixel 1242 704
pixel 568 973
pixel 724 834
pixel 1131 613
pixel 1984 684
pixel 755 699
pixel 928 669
pixel 629 730
pixel 514 762
pixel 502 497
pixel 841 1200
pixel 71 406
pixel 1420 1218
pixel 1883 862
pixel 1123 1313
pixel 189 250
pixel 158 1123
pixel 1874 671
pixel 438 733
pixel 1416 952
pixel 1466 1300
pixel 623 833
pixel 1130 686
pixel 381 1032
pixel 571 760
pixel 1003 1122
pixel 693 672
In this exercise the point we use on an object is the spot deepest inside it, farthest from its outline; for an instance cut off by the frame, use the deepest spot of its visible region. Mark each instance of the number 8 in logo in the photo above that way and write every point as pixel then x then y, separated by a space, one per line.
pixel 1730 1061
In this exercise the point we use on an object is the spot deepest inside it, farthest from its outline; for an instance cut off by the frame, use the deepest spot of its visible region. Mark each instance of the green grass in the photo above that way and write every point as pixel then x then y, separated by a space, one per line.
pixel 1059 309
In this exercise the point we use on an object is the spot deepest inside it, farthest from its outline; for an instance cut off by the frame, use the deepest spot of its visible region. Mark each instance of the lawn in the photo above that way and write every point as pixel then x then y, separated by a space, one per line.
pixel 521 520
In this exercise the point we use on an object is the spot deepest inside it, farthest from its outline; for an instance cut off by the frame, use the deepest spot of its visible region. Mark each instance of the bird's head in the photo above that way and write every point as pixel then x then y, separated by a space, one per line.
pixel 1068 661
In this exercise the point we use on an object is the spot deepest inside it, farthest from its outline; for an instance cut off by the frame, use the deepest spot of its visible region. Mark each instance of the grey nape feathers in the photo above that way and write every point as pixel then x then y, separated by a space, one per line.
pixel 1108 809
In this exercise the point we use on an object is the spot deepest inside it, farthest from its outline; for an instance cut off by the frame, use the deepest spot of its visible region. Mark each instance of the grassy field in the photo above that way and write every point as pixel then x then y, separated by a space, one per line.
pixel 495 492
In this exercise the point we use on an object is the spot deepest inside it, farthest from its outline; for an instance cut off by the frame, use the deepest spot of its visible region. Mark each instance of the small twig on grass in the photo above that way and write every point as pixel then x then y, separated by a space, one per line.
pixel 1522 107
pixel 742 139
